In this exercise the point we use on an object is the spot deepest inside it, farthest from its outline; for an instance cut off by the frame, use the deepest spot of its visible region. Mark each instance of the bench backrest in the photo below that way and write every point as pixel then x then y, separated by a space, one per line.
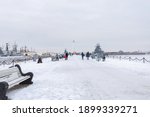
pixel 9 74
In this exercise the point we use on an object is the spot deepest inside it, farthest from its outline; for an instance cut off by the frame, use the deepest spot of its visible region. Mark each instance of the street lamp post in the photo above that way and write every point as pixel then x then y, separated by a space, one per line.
pixel 73 46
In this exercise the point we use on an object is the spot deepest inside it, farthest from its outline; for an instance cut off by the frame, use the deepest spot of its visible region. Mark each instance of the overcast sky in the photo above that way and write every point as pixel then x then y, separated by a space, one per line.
pixel 54 24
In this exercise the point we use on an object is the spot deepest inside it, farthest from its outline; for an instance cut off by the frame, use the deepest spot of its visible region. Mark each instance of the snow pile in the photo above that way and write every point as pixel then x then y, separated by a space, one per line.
pixel 77 79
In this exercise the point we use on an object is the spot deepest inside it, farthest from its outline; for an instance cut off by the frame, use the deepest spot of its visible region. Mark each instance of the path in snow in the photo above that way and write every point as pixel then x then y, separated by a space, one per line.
pixel 88 80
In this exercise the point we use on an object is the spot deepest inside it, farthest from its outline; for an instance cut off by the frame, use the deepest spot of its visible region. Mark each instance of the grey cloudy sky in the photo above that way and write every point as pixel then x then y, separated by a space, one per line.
pixel 54 24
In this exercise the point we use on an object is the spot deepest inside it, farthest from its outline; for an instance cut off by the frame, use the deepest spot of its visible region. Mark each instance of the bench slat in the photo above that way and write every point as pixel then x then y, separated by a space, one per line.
pixel 17 81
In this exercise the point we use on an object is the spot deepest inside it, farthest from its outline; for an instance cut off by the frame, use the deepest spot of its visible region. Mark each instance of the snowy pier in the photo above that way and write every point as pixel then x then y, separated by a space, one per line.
pixel 77 79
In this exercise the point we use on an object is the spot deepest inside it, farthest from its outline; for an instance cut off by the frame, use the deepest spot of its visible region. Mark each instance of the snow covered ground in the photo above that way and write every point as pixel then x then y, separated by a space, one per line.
pixel 77 79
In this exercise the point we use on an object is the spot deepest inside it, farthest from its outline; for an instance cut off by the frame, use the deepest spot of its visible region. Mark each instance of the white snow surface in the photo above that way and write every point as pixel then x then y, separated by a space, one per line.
pixel 77 79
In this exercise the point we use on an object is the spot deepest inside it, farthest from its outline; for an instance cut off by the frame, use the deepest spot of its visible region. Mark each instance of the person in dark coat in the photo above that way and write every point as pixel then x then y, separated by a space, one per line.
pixel 104 58
pixel 87 55
pixel 57 57
pixel 66 56
pixel 39 60
pixel 82 54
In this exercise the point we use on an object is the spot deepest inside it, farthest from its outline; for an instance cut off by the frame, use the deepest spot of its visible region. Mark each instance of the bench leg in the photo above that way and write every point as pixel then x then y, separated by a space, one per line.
pixel 28 81
pixel 3 90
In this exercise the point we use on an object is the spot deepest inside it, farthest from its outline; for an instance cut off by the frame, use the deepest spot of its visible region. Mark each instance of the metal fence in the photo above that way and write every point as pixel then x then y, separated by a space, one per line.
pixel 12 61
pixel 144 60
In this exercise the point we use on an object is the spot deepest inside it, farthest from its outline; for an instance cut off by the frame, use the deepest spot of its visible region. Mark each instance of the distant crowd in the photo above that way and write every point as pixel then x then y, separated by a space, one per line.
pixel 87 55
pixel 97 56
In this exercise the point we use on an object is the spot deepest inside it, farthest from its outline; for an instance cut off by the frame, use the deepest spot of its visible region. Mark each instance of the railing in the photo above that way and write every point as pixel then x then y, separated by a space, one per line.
pixel 12 61
pixel 144 60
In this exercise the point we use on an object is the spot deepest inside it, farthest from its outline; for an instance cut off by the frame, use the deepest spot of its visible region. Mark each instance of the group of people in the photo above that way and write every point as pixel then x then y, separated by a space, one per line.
pixel 66 54
pixel 57 57
pixel 89 54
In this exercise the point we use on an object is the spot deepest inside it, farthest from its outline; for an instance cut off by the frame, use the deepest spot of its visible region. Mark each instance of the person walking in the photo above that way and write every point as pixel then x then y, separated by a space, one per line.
pixel 104 58
pixel 66 56
pixel 82 54
pixel 87 55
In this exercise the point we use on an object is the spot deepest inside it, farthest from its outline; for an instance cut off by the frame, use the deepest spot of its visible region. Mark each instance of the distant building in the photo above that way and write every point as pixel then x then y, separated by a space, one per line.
pixel 1 52
pixel 148 52
pixel 12 51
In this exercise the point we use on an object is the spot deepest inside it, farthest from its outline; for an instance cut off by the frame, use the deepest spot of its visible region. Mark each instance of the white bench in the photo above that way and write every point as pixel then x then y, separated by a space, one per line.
pixel 12 77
